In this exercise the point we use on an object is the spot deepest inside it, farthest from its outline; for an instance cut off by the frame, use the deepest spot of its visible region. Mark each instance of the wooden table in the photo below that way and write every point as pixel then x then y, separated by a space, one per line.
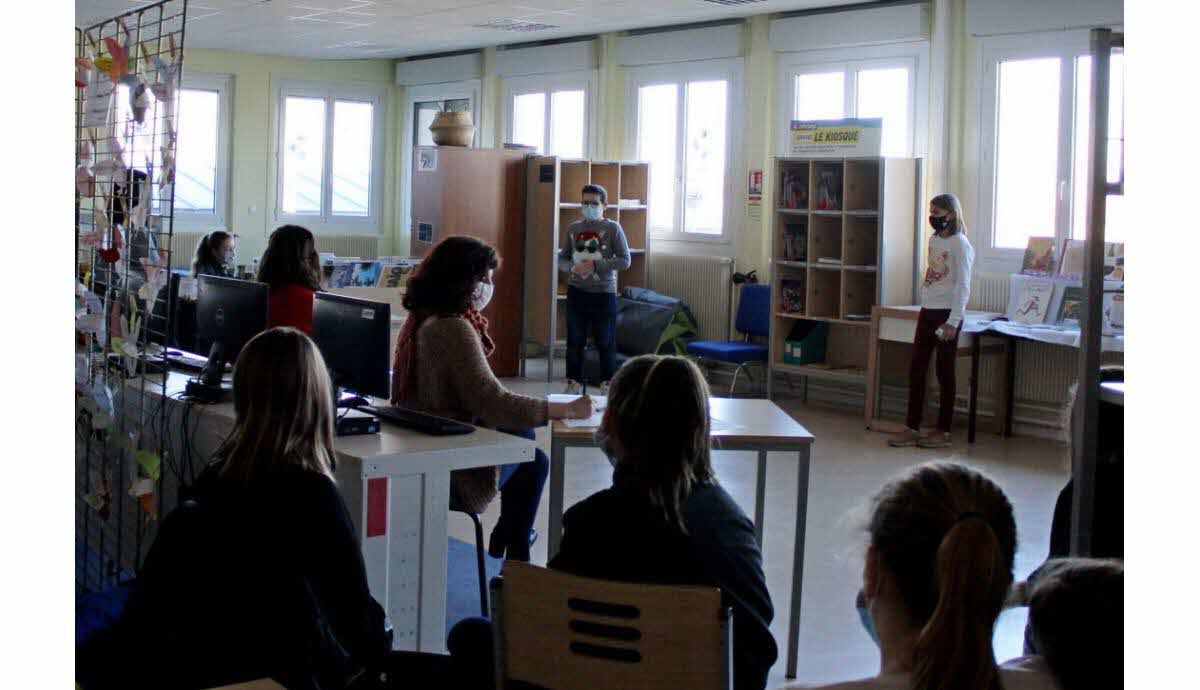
pixel 396 485
pixel 738 424
pixel 899 325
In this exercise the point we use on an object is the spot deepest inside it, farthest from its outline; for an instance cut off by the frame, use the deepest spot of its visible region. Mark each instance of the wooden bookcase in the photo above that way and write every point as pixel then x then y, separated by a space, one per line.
pixel 843 241
pixel 554 187
pixel 480 193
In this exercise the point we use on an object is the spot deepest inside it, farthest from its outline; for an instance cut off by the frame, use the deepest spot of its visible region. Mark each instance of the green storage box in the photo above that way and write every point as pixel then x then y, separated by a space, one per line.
pixel 805 343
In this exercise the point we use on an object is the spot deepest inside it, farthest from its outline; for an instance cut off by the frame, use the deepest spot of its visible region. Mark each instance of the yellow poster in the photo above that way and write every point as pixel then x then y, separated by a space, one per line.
pixel 846 137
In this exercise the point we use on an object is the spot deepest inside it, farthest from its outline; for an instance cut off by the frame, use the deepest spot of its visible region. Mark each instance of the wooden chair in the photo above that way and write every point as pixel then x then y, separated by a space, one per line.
pixel 563 632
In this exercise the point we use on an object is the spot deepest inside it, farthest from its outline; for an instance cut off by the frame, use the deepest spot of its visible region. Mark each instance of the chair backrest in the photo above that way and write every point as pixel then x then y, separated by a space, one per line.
pixel 754 310
pixel 565 632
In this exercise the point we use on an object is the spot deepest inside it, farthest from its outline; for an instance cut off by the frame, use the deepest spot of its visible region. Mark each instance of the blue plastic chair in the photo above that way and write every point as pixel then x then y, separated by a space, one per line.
pixel 753 320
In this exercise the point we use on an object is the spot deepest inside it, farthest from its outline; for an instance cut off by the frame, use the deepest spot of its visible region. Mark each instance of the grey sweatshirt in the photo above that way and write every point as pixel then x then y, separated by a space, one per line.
pixel 602 241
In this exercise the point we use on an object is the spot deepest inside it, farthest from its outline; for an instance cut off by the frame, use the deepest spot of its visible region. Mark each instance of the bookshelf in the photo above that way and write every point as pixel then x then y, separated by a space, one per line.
pixel 553 193
pixel 843 240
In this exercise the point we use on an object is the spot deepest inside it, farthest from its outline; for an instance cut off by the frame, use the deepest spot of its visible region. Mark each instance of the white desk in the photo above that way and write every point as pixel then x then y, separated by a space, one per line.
pixel 757 425
pixel 396 485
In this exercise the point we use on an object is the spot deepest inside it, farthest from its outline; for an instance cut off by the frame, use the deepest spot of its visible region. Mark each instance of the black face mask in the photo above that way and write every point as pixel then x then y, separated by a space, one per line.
pixel 939 223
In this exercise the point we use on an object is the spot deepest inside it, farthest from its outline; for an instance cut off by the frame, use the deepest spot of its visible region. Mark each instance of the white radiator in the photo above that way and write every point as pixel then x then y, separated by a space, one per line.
pixel 361 246
pixel 704 282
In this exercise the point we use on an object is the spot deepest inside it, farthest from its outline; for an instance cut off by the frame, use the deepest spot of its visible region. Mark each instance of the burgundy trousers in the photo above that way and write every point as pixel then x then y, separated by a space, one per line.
pixel 926 343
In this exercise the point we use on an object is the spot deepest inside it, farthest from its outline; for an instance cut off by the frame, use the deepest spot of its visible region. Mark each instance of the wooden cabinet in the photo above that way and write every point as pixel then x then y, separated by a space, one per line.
pixel 479 193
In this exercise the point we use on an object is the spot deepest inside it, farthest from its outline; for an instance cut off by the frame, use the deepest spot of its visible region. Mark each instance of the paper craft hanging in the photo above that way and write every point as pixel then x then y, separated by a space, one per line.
pixel 139 100
pixel 97 98
pixel 83 72
pixel 85 182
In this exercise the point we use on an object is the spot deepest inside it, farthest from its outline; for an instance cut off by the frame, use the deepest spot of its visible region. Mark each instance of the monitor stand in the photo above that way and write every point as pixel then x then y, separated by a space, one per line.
pixel 351 422
pixel 210 387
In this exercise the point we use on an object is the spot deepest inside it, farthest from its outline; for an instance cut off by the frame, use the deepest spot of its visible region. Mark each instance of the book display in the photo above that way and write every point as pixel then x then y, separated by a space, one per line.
pixel 1039 257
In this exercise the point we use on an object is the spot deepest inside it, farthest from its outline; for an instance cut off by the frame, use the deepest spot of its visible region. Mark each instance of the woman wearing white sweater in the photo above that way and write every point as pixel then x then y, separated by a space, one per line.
pixel 944 294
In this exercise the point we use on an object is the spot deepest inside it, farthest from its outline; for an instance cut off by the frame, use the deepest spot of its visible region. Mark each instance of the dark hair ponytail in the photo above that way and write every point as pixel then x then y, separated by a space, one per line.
pixel 206 251
pixel 948 536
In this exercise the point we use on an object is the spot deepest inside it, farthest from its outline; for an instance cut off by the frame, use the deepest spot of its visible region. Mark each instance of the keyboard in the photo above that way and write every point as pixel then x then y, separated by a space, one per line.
pixel 417 421
pixel 187 360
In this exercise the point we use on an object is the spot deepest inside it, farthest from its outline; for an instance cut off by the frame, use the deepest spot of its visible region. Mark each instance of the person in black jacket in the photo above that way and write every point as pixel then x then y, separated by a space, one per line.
pixel 260 572
pixel 666 519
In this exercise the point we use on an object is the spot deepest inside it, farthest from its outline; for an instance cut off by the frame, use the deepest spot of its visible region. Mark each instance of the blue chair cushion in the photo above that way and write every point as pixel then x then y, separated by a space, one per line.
pixel 733 352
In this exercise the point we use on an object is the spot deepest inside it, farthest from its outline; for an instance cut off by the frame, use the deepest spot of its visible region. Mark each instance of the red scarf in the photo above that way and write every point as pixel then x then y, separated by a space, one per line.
pixel 404 365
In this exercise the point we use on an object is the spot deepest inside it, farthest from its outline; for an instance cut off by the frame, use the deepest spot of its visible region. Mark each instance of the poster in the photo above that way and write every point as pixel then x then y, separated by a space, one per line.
pixel 427 159
pixel 755 189
pixel 837 138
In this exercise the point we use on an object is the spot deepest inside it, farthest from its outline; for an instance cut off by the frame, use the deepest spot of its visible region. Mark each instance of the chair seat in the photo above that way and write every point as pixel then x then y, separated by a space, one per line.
pixel 728 351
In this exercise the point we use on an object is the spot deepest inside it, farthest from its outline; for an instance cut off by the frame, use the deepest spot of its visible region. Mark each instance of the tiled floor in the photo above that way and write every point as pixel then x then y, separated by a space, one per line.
pixel 848 465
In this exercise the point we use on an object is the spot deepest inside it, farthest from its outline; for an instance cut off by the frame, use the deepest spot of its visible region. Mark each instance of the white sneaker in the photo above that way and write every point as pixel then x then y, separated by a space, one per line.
pixel 573 388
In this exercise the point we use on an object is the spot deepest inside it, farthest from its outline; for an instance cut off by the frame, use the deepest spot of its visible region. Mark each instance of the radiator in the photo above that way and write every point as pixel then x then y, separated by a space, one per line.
pixel 703 282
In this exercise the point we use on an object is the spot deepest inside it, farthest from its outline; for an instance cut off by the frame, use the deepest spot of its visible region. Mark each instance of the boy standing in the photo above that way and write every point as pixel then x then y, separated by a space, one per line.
pixel 594 251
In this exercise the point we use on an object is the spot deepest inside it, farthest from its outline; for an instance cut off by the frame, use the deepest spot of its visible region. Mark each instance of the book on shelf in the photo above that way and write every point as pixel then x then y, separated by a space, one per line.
pixel 1070 307
pixel 1039 257
pixel 1114 261
pixel 1034 301
pixel 1114 312
pixel 792 296
pixel 829 188
pixel 795 242
pixel 342 273
pixel 794 193
pixel 396 275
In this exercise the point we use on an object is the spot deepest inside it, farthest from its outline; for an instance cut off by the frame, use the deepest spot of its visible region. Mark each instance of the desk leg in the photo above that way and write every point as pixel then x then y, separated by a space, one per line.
pixel 432 614
pixel 971 409
pixel 558 453
pixel 798 561
pixel 1010 384
pixel 760 495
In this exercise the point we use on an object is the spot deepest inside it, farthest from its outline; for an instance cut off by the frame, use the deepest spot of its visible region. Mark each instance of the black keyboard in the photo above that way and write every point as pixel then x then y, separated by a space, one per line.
pixel 417 421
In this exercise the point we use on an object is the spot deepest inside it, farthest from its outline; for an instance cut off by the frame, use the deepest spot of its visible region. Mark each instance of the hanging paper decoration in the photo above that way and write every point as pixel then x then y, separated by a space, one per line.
pixel 156 279
pixel 150 463
pixel 118 67
pixel 97 98
pixel 85 182
pixel 83 72
pixel 139 100
pixel 167 176
pixel 143 491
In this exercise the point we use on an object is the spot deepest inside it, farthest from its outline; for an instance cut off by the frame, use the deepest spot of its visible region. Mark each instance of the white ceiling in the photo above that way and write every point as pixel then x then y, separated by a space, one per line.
pixel 340 29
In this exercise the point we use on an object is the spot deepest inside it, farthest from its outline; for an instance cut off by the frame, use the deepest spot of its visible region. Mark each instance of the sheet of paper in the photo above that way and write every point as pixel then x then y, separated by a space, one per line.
pixel 600 401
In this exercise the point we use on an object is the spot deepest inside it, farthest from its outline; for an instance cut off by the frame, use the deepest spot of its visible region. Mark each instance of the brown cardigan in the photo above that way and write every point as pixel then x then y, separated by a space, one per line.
pixel 454 380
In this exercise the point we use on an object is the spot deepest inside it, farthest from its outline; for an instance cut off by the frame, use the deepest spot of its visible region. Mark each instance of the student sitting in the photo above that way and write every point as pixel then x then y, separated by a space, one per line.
pixel 441 366
pixel 261 573
pixel 938 570
pixel 665 519
pixel 293 270
pixel 1076 621
pixel 214 254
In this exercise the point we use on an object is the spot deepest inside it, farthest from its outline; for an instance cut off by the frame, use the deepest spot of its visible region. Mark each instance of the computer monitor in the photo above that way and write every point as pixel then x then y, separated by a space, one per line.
pixel 354 336
pixel 228 314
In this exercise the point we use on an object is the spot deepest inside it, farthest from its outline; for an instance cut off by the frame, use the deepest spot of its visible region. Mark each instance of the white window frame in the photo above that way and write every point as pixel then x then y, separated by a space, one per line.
pixel 1067 46
pixel 584 80
pixel 912 56
pixel 218 219
pixel 730 70
pixel 470 89
pixel 327 222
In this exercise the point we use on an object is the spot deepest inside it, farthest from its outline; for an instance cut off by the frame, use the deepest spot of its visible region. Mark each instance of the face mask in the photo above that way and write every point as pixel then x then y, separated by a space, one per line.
pixel 592 212
pixel 868 623
pixel 481 296
pixel 939 223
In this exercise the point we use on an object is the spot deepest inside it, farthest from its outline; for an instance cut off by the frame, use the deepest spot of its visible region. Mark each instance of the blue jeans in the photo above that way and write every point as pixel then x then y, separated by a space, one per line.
pixel 594 313
pixel 521 487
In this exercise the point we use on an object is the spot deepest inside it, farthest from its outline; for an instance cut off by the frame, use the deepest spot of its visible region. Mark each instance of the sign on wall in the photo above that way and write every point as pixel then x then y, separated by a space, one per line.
pixel 837 138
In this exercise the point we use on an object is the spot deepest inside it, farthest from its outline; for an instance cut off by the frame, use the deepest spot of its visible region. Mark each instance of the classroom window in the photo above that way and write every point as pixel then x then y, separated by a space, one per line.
pixel 201 149
pixel 682 126
pixel 1034 143
pixel 330 156
pixel 551 113
pixel 864 89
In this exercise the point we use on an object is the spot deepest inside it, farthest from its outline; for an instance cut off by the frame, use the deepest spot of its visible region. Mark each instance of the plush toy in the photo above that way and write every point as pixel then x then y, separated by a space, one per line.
pixel 588 248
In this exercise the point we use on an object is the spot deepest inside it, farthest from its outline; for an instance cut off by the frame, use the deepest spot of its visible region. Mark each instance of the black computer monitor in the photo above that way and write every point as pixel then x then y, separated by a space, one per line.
pixel 354 336
pixel 228 314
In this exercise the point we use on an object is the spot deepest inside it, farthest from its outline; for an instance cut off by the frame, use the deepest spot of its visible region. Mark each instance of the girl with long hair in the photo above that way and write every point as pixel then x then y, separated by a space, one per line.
pixel 441 365
pixel 292 268
pixel 939 567
pixel 214 254
pixel 944 295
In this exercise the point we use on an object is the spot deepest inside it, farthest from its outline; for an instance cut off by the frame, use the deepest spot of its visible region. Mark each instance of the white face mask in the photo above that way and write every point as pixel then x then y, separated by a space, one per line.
pixel 482 296
pixel 592 213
